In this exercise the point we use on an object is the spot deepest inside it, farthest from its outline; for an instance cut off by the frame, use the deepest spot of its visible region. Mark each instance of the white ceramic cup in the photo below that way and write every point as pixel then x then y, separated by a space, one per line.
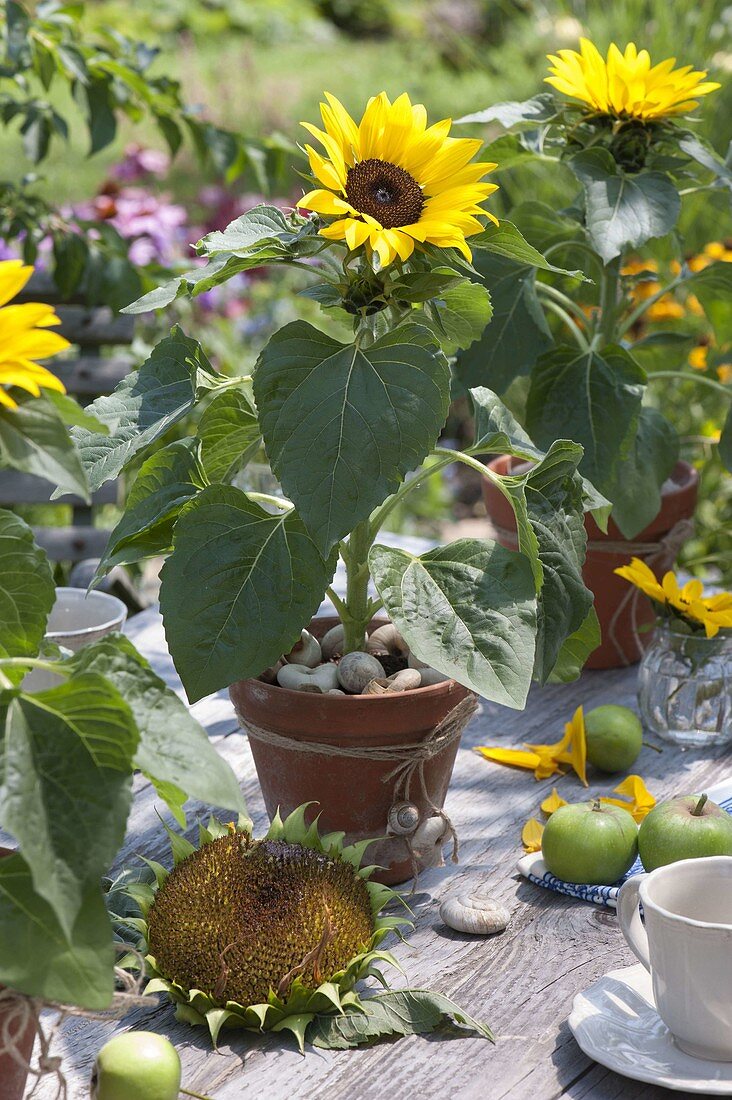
pixel 77 618
pixel 687 947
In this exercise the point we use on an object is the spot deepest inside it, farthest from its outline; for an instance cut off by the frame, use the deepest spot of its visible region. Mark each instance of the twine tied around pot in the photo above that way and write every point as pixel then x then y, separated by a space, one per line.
pixel 410 760
pixel 19 1012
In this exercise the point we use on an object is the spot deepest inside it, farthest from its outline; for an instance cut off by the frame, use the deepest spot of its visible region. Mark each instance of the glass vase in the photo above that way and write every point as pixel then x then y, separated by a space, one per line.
pixel 685 687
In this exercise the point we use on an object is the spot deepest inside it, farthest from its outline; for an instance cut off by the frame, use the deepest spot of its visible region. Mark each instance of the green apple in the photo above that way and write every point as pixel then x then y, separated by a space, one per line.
pixel 589 842
pixel 614 737
pixel 136 1065
pixel 686 827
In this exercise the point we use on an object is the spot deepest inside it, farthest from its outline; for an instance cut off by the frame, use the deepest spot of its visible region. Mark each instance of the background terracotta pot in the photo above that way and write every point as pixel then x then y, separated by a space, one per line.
pixel 13 1076
pixel 352 793
pixel 620 612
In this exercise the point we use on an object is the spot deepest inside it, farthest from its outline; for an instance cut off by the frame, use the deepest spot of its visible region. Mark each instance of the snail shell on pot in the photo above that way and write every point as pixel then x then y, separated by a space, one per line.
pixel 376 687
pixel 323 677
pixel 429 675
pixel 403 818
pixel 428 840
pixel 406 680
pixel 305 652
pixel 474 910
pixel 331 644
pixel 269 676
pixel 356 669
pixel 387 639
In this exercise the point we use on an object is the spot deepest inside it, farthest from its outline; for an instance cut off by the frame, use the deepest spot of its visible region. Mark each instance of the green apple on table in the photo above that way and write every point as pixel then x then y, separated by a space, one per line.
pixel 137 1065
pixel 589 842
pixel 614 737
pixel 686 827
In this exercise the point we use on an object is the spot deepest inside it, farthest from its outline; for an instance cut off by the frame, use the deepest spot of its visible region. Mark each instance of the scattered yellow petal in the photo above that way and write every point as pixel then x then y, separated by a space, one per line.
pixel 552 802
pixel 531 835
pixel 576 751
pixel 641 800
pixel 515 758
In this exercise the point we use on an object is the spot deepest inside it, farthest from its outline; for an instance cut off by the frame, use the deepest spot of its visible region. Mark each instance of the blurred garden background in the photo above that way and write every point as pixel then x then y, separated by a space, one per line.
pixel 170 164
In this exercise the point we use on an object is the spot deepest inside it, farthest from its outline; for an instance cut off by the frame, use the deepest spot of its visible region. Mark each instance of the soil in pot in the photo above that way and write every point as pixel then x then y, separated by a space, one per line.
pixel 13 1075
pixel 353 794
pixel 625 614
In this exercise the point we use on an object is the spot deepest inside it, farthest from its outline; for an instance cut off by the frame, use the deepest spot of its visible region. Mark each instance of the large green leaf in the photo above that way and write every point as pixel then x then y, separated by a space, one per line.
pixel 343 425
pixel 263 235
pixel 544 226
pixel 713 287
pixel 174 750
pixel 27 591
pixel 703 153
pixel 555 504
pixel 468 609
pixel 166 480
pixel 229 434
pixel 395 1012
pixel 518 332
pixel 38 958
pixel 144 405
pixel 459 315
pixel 34 439
pixel 238 588
pixel 67 785
pixel 540 108
pixel 507 241
pixel 592 397
pixel 622 210
pixel 576 649
pixel 635 484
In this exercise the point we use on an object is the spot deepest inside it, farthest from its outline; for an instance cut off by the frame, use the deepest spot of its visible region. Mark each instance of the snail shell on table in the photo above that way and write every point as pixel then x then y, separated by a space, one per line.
pixel 474 910
pixel 403 818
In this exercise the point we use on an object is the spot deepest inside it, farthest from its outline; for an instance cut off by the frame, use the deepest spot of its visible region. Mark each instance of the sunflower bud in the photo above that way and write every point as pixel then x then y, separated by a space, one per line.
pixel 630 145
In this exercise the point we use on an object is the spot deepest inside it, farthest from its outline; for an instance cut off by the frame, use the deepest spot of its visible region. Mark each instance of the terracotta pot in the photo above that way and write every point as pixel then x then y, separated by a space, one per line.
pixel 621 613
pixel 353 795
pixel 13 1076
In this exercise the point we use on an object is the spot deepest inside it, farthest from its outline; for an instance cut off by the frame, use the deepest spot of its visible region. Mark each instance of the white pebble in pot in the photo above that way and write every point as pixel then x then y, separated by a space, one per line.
pixel 355 670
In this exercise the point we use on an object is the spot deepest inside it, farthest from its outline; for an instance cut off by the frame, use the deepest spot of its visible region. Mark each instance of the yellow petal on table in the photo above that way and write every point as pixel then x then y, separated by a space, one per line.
pixel 641 800
pixel 576 750
pixel 515 758
pixel 531 835
pixel 552 802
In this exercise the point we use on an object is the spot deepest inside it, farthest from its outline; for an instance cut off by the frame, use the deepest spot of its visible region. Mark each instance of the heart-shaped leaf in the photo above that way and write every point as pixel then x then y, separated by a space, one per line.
pixel 144 405
pixel 185 765
pixel 507 241
pixel 576 649
pixel 592 397
pixel 342 424
pixel 468 609
pixel 518 332
pixel 623 210
pixel 67 785
pixel 34 439
pixel 239 586
pixel 229 434
pixel 38 958
pixel 166 481
pixel 27 591
pixel 635 485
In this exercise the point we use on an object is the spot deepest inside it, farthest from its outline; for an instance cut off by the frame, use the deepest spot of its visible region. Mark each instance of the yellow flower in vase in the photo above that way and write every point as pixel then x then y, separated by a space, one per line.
pixel 625 85
pixel 393 183
pixel 24 337
pixel 688 603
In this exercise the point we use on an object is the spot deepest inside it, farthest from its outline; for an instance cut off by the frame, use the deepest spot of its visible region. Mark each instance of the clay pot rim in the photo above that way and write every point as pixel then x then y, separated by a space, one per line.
pixel 436 689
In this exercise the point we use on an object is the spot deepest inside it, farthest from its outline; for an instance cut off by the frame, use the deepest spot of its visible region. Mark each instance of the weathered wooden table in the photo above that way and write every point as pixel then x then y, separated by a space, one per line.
pixel 521 982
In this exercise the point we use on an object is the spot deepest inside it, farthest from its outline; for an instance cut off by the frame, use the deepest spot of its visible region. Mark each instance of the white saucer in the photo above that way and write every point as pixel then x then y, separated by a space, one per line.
pixel 615 1022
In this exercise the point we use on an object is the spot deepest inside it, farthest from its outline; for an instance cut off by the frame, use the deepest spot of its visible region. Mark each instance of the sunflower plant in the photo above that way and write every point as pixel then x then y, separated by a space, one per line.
pixel 571 359
pixel 385 237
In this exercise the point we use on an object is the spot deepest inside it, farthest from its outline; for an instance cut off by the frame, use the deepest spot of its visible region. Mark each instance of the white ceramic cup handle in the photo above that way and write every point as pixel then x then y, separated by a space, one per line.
pixel 630 919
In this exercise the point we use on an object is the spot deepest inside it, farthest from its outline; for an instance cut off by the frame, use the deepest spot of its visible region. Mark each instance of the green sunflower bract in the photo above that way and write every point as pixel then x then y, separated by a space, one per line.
pixel 263 934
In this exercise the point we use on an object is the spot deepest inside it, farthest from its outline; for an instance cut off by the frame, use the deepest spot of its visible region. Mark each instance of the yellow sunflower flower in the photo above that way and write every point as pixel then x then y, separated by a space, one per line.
pixel 626 85
pixel 24 337
pixel 392 183
pixel 698 357
pixel 713 612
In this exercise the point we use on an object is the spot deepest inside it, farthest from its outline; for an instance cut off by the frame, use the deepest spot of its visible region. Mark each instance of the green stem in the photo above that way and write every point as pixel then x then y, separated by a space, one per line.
pixel 5 682
pixel 697 811
pixel 609 287
pixel 563 300
pixel 357 616
pixel 337 602
pixel 576 331
pixel 640 309
pixel 701 378
pixel 32 662
pixel 196 1095
pixel 277 502
pixel 378 518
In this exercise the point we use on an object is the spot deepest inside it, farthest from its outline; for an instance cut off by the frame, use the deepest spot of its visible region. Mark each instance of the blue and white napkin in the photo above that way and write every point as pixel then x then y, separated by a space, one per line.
pixel 533 868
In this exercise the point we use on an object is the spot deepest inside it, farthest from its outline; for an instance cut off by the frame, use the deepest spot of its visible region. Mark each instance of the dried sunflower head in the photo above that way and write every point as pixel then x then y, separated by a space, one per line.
pixel 263 933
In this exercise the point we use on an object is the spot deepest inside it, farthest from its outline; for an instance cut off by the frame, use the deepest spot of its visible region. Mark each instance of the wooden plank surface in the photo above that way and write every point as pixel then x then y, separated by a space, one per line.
pixel 521 982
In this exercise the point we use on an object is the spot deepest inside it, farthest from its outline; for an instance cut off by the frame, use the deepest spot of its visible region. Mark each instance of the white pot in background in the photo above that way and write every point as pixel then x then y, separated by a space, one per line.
pixel 77 618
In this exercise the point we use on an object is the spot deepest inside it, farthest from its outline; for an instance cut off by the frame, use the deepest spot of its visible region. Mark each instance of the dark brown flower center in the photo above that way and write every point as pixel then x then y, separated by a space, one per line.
pixel 384 191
